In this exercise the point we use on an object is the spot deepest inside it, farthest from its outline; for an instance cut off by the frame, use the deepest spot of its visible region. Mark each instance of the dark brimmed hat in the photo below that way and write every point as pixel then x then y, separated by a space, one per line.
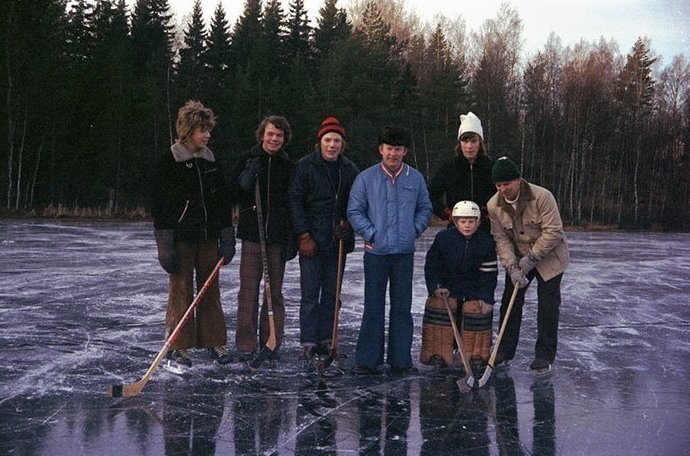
pixel 329 125
pixel 395 136
pixel 504 170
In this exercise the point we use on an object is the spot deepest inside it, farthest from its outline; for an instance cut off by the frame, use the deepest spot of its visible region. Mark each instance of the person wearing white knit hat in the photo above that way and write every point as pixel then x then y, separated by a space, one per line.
pixel 467 176
pixel 470 123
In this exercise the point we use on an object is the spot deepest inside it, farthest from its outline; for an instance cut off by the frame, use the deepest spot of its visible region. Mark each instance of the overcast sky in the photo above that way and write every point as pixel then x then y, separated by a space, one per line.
pixel 665 22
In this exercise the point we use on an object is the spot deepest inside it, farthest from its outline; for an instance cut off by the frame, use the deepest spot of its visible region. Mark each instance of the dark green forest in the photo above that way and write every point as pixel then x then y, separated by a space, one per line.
pixel 91 91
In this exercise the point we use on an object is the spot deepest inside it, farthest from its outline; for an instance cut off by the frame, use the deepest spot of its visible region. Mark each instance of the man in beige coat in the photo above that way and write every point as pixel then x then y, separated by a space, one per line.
pixel 530 242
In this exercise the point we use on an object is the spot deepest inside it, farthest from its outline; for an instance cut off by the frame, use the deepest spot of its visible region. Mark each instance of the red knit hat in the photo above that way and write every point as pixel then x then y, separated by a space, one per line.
pixel 330 124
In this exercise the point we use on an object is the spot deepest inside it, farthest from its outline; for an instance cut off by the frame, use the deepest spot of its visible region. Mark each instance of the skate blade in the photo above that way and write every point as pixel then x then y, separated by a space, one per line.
pixel 544 371
pixel 175 368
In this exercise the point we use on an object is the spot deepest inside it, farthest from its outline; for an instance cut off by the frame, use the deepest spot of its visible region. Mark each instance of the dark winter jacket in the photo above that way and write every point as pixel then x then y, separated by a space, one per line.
pixel 317 203
pixel 465 266
pixel 274 183
pixel 460 180
pixel 190 195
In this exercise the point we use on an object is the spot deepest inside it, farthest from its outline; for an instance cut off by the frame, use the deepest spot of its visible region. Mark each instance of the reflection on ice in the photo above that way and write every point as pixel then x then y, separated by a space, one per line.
pixel 82 304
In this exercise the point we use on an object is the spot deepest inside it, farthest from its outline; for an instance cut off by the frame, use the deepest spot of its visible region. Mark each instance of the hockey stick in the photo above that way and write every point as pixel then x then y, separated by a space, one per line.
pixel 490 364
pixel 271 342
pixel 134 389
pixel 334 340
pixel 467 382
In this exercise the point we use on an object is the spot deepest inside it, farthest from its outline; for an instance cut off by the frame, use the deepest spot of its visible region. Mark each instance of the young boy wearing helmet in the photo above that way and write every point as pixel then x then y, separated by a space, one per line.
pixel 461 264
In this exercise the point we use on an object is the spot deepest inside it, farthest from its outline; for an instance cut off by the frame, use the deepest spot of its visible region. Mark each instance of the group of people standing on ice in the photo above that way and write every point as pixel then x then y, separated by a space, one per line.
pixel 316 207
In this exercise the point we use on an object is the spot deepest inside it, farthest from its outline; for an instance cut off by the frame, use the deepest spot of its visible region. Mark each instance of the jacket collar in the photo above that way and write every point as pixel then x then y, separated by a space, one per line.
pixel 182 154
pixel 257 151
pixel 525 196
pixel 481 160
pixel 318 159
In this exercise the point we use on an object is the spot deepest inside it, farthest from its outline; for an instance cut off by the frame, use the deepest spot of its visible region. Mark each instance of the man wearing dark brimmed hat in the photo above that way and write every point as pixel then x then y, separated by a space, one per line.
pixel 389 208
pixel 530 243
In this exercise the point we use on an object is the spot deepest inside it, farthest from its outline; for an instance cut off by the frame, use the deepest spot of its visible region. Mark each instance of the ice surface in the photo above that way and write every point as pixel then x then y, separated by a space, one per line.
pixel 82 307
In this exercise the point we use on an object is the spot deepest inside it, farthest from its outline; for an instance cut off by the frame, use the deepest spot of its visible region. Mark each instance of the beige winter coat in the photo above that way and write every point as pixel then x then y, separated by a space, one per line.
pixel 536 225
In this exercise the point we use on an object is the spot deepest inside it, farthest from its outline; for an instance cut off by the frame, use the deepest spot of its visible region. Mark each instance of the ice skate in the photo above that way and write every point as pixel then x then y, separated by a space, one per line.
pixel 178 362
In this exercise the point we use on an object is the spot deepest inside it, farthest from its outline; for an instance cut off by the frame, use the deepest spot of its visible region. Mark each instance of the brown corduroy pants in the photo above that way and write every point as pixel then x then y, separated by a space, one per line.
pixel 206 327
pixel 251 274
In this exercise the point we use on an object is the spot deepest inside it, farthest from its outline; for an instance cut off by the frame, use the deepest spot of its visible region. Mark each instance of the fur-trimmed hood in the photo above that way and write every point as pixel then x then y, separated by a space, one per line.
pixel 182 154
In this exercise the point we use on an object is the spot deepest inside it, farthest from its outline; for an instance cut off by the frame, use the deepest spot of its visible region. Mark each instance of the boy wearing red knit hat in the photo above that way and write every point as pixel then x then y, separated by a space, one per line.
pixel 319 192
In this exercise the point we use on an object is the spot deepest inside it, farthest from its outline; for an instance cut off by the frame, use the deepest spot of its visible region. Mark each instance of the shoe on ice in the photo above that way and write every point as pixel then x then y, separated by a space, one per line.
pixel 306 358
pixel 180 357
pixel 540 365
pixel 409 370
pixel 245 357
pixel 308 352
pixel 361 369
pixel 323 349
pixel 220 354
pixel 437 361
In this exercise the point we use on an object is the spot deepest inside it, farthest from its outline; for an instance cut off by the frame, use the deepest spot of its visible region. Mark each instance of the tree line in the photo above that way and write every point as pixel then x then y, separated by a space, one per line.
pixel 91 91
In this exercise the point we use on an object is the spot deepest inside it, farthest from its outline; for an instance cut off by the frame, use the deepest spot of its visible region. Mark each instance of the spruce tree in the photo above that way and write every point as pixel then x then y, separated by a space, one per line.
pixel 189 75
pixel 332 27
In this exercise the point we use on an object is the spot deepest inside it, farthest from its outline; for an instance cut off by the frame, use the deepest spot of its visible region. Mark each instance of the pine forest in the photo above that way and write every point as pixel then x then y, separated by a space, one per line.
pixel 91 91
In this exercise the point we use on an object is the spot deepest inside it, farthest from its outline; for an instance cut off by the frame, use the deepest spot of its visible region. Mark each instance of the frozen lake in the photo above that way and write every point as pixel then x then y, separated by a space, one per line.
pixel 82 308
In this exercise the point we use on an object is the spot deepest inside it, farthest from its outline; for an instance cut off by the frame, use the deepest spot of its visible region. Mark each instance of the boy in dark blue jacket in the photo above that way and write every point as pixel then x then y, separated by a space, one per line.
pixel 461 264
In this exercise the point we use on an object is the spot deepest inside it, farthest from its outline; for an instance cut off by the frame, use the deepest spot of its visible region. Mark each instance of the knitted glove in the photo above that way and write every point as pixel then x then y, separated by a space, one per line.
pixel 517 276
pixel 167 257
pixel 247 177
pixel 344 232
pixel 307 245
pixel 528 262
pixel 226 248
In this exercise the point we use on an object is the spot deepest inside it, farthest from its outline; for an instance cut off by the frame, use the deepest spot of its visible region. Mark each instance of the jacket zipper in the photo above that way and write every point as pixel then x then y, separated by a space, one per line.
pixel 267 213
pixel 334 218
pixel 203 200
pixel 184 211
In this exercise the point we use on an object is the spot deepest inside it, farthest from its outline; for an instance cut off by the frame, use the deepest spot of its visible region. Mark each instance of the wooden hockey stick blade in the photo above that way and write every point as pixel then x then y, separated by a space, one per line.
pixel 126 390
pixel 487 374
pixel 468 379
pixel 492 359
pixel 135 388
pixel 323 364
pixel 465 384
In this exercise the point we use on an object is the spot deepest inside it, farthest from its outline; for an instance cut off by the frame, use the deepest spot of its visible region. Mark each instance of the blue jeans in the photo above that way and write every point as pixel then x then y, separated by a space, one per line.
pixel 318 275
pixel 378 271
